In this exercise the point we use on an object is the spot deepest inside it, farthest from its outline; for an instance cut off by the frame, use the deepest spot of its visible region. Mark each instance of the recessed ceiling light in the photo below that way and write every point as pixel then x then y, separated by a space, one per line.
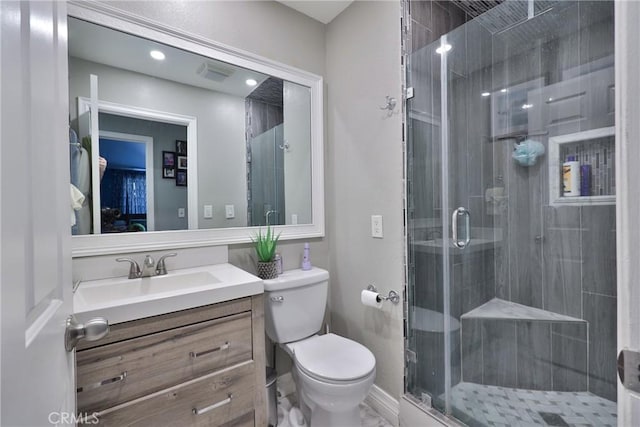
pixel 251 82
pixel 485 94
pixel 443 48
pixel 527 106
pixel 503 90
pixel 157 55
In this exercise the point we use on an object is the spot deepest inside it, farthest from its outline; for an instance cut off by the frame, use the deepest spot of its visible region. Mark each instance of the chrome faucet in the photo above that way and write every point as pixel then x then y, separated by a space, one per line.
pixel 149 266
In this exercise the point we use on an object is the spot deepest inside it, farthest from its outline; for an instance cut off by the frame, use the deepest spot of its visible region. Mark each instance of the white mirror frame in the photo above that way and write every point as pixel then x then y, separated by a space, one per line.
pixel 103 244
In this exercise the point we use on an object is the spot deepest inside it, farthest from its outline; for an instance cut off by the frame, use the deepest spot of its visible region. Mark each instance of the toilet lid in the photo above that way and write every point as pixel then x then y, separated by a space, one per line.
pixel 334 357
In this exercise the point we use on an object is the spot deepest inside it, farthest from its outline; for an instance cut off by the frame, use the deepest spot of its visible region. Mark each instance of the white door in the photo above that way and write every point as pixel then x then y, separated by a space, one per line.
pixel 627 16
pixel 36 373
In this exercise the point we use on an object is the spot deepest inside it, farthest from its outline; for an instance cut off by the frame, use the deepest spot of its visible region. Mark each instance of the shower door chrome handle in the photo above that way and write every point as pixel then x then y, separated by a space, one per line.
pixel 461 212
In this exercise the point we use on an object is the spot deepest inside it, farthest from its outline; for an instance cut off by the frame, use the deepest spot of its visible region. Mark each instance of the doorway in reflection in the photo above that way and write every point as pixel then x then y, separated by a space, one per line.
pixel 124 188
pixel 159 206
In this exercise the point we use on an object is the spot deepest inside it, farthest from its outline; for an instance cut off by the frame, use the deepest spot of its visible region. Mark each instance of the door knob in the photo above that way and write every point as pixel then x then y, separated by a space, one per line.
pixel 92 330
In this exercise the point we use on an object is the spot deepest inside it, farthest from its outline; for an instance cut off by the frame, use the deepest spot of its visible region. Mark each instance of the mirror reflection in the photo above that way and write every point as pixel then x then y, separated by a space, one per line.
pixel 165 139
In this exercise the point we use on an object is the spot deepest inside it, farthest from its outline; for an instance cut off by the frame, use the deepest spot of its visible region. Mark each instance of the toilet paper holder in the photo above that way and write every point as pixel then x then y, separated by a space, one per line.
pixel 393 296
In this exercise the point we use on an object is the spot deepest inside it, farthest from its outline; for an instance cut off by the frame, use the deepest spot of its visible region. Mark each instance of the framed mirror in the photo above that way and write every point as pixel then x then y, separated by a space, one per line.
pixel 176 141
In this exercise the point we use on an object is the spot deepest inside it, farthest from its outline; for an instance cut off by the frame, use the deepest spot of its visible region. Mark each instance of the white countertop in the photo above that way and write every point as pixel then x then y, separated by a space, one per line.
pixel 120 299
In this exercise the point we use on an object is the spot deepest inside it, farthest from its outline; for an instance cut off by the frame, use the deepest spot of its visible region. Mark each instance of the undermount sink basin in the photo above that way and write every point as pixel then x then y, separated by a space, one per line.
pixel 120 299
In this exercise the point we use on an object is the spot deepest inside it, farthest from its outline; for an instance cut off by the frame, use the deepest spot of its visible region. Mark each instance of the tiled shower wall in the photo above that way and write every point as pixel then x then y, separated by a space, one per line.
pixel 560 259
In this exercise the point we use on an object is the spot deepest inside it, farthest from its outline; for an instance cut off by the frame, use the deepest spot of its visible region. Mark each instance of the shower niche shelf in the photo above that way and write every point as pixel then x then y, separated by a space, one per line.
pixel 593 147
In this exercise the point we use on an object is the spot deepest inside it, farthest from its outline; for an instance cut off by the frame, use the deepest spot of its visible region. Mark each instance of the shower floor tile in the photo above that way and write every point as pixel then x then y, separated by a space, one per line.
pixel 488 405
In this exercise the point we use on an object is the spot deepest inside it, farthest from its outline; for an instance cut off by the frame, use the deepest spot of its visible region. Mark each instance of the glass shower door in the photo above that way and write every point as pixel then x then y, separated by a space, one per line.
pixel 511 317
pixel 450 240
pixel 266 201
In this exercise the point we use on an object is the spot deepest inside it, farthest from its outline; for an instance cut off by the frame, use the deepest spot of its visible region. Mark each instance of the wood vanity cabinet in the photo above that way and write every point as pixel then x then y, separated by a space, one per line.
pixel 198 367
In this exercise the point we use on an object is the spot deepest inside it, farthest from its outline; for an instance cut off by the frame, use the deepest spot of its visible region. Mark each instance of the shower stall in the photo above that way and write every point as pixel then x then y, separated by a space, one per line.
pixel 511 212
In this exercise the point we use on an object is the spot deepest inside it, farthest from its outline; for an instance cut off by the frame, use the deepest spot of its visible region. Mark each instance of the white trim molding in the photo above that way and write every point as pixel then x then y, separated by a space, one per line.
pixel 191 123
pixel 384 404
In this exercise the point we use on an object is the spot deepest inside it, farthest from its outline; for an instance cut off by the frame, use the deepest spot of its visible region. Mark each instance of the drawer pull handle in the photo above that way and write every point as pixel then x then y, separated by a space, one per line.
pixel 88 387
pixel 195 355
pixel 197 411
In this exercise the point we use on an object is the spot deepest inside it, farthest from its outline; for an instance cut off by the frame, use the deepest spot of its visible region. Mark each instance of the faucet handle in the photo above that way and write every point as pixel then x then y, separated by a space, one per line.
pixel 161 268
pixel 134 270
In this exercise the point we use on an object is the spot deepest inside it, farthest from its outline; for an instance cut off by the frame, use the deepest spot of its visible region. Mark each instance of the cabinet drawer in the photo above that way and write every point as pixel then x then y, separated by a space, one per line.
pixel 224 398
pixel 116 373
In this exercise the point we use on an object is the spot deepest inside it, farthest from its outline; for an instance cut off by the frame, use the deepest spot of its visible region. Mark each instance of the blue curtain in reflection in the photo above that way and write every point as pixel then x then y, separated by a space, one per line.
pixel 127 191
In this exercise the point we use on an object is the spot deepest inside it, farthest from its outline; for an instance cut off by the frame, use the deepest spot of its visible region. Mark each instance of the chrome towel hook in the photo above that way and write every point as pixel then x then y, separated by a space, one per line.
pixel 390 104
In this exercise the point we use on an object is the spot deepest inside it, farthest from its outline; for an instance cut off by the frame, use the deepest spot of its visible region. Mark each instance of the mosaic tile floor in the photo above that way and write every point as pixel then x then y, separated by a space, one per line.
pixel 510 407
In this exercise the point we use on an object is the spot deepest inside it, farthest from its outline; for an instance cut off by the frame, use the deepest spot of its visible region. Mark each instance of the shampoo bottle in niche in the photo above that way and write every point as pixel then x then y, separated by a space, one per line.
pixel 306 258
pixel 585 180
pixel 571 177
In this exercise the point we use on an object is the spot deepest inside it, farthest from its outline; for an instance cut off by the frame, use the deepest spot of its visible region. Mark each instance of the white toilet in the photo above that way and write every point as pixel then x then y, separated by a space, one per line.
pixel 332 374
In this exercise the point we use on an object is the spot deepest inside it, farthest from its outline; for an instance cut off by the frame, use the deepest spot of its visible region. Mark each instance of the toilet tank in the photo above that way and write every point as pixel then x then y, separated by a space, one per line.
pixel 295 304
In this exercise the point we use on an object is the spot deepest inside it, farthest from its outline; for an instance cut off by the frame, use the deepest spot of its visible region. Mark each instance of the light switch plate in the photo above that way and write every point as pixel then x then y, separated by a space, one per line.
pixel 208 211
pixel 376 227
pixel 294 219
pixel 180 212
pixel 229 211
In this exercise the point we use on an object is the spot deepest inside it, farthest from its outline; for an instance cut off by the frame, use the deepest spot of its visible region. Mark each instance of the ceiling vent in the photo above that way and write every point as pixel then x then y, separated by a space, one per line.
pixel 214 72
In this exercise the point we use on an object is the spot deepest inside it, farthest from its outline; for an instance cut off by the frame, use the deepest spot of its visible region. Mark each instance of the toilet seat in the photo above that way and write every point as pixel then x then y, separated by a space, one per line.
pixel 333 358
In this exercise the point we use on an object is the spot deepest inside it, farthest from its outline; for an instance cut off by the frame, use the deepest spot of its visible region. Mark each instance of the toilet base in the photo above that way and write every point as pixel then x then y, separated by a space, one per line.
pixel 344 406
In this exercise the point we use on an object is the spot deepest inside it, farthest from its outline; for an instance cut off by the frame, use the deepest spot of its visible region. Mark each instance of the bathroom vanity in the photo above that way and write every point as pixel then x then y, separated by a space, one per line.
pixel 184 348
pixel 202 366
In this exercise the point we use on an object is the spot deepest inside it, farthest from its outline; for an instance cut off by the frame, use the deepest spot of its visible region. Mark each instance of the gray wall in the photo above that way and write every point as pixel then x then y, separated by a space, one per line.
pixel 221 139
pixel 364 178
pixel 167 196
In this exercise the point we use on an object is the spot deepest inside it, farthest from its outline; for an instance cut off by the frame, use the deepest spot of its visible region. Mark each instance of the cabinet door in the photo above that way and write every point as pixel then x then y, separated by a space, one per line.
pixel 221 398
pixel 119 372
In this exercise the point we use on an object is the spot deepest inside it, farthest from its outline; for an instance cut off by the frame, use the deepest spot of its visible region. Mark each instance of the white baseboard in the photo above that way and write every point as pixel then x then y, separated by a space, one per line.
pixel 384 404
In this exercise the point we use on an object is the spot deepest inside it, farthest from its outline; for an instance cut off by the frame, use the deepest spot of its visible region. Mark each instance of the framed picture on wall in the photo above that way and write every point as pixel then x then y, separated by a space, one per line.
pixel 181 147
pixel 168 164
pixel 168 159
pixel 168 173
pixel 181 178
pixel 182 162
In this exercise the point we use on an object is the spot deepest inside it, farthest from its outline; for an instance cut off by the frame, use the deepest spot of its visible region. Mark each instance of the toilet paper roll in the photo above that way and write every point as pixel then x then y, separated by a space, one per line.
pixel 372 299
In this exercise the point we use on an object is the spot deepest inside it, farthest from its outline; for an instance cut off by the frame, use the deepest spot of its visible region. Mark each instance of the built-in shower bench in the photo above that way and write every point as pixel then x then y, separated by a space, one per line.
pixel 513 345
pixel 499 309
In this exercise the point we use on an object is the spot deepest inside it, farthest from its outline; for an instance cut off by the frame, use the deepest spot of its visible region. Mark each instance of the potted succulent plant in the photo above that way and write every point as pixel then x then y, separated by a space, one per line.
pixel 266 250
